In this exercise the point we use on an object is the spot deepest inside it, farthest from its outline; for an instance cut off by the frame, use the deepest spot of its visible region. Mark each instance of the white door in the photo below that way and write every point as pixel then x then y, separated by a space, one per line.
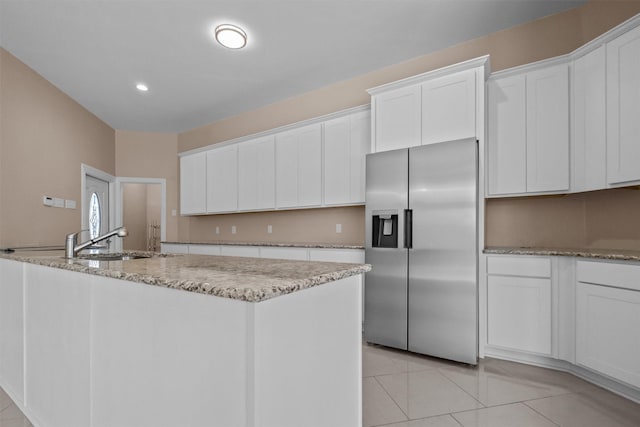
pixel 96 209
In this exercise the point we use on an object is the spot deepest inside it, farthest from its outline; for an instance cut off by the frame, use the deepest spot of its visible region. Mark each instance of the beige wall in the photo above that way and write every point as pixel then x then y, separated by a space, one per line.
pixel 44 138
pixel 535 221
pixel 151 155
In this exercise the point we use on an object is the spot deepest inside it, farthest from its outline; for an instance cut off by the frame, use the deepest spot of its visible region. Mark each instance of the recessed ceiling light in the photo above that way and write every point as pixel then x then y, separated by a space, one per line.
pixel 142 87
pixel 231 36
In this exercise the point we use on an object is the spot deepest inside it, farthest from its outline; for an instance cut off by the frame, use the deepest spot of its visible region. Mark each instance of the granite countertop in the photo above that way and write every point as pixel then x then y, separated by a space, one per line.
pixel 610 254
pixel 244 279
pixel 273 244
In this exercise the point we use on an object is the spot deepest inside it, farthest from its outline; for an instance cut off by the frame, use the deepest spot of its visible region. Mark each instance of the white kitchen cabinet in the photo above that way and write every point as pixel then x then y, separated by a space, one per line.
pixel 57 346
pixel 204 249
pixel 588 136
pixel 347 140
pixel 623 109
pixel 519 306
pixel 397 118
pixel 607 318
pixel 449 107
pixel 241 251
pixel 530 111
pixel 193 184
pixel 256 174
pixel 301 254
pixel 222 179
pixel 354 256
pixel 12 329
pixel 548 129
pixel 507 149
pixel 175 248
pixel 299 167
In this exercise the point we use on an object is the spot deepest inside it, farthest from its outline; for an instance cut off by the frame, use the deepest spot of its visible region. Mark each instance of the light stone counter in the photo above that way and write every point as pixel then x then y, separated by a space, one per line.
pixel 610 254
pixel 244 279
pixel 272 244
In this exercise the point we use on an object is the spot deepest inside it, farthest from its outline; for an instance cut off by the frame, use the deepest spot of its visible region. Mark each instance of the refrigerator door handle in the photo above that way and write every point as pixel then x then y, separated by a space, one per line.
pixel 408 228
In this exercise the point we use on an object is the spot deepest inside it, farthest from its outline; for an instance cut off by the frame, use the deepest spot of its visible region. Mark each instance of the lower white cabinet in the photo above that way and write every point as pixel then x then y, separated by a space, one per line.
pixel 242 251
pixel 519 304
pixel 608 319
pixel 204 249
pixel 12 329
pixel 174 248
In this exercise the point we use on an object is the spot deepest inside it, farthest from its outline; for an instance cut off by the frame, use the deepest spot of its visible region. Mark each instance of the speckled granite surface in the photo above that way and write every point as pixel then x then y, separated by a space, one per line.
pixel 611 254
pixel 273 244
pixel 244 279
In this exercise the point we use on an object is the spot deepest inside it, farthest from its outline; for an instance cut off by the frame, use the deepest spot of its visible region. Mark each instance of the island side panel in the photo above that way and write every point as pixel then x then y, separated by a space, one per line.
pixel 307 360
pixel 12 330
pixel 165 357
pixel 57 343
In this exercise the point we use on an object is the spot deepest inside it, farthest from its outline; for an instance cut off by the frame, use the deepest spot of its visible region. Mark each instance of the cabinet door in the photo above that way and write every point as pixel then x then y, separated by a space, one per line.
pixel 193 184
pixel 222 179
pixel 397 119
pixel 256 174
pixel 175 248
pixel 204 249
pixel 607 324
pixel 299 168
pixel 449 108
pixel 286 170
pixel 519 313
pixel 310 166
pixel 588 138
pixel 346 144
pixel 548 129
pixel 360 147
pixel 507 136
pixel 623 108
pixel 337 164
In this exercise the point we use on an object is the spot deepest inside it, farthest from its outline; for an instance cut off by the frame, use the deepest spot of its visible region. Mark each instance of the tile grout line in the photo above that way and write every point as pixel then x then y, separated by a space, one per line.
pixel 460 387
pixel 540 413
pixel 392 399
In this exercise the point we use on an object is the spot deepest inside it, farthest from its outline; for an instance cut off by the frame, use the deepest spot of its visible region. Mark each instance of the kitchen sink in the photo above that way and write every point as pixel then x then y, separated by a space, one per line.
pixel 111 257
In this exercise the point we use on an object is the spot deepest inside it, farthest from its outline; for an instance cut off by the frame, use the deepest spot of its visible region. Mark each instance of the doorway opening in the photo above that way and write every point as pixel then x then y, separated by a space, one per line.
pixel 141 207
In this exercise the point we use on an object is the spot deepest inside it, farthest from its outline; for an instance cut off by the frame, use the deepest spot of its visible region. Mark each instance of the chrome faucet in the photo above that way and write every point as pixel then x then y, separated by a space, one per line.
pixel 71 247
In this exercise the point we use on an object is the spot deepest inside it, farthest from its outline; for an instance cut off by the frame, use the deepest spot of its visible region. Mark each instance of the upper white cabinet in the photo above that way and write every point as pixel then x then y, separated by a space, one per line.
pixel 193 184
pixel 588 136
pixel 548 129
pixel 346 142
pixel 449 108
pixel 507 151
pixel 222 179
pixel 299 167
pixel 623 108
pixel 437 106
pixel 256 177
pixel 397 118
pixel 529 132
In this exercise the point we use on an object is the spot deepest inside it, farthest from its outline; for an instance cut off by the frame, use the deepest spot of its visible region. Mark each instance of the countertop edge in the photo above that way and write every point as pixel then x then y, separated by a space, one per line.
pixel 271 244
pixel 238 292
pixel 607 254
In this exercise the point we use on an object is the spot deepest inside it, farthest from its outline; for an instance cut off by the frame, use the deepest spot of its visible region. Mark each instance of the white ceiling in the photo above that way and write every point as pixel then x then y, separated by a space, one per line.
pixel 97 50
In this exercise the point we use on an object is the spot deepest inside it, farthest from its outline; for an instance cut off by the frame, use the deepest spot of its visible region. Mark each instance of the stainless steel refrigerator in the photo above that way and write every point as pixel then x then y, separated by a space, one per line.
pixel 421 240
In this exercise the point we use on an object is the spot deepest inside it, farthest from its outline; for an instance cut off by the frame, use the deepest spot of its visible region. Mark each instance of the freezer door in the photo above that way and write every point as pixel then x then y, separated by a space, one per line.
pixel 443 261
pixel 385 293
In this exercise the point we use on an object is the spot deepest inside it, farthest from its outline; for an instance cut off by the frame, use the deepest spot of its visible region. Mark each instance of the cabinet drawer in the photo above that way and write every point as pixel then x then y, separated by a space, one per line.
pixel 609 274
pixel 519 266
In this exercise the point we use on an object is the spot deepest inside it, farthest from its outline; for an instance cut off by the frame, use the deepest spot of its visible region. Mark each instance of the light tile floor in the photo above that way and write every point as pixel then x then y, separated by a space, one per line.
pixel 402 389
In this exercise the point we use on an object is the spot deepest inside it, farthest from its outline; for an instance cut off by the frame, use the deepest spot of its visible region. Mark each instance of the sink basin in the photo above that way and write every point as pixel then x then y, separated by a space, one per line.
pixel 111 257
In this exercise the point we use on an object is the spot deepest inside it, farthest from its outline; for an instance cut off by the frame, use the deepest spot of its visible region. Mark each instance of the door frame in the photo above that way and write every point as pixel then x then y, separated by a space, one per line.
pixel 99 174
pixel 119 203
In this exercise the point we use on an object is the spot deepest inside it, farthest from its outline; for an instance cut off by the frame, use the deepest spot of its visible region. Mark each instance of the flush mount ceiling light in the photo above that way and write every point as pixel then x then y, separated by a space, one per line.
pixel 231 36
pixel 142 87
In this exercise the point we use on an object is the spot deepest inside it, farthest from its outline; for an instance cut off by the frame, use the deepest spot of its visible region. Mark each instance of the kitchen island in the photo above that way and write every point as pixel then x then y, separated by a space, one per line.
pixel 188 340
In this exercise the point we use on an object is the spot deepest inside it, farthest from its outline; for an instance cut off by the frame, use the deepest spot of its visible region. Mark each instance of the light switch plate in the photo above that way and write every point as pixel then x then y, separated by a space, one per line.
pixel 70 204
pixel 338 228
pixel 269 229
pixel 233 229
pixel 217 230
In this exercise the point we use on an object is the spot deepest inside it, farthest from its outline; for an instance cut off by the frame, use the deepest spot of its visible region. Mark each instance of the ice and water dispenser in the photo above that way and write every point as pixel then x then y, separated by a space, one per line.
pixel 385 230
